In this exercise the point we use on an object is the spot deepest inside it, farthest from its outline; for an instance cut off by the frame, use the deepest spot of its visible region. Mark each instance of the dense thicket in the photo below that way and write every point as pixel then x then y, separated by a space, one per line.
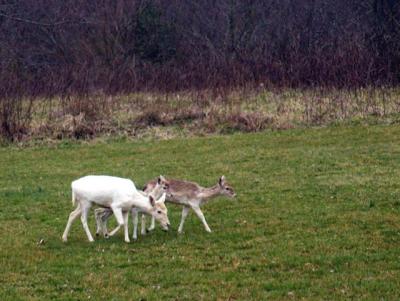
pixel 62 47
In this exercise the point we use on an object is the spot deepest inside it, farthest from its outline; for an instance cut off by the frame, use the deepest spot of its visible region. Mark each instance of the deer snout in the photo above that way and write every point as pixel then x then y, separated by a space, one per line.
pixel 166 226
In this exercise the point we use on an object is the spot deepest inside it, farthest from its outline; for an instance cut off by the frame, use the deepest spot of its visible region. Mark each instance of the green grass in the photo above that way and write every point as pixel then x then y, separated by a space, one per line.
pixel 317 217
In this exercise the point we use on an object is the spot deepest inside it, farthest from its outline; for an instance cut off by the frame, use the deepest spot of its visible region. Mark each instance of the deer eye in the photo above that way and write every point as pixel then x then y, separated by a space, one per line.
pixel 159 211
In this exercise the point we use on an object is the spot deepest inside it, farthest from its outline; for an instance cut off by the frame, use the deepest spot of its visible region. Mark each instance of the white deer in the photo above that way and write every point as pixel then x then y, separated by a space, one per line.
pixel 188 194
pixel 117 194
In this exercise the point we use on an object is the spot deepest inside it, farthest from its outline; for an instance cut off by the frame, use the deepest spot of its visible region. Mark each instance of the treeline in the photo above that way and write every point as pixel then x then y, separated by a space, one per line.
pixel 54 47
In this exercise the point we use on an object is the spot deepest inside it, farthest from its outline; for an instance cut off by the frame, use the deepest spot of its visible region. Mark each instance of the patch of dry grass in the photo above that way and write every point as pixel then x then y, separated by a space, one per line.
pixel 205 112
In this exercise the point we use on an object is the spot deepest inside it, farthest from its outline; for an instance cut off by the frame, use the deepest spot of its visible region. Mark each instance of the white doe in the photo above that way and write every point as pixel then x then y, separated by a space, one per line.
pixel 188 194
pixel 117 194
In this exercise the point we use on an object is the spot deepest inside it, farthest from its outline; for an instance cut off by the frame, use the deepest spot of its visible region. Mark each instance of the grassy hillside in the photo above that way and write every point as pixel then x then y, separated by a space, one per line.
pixel 317 217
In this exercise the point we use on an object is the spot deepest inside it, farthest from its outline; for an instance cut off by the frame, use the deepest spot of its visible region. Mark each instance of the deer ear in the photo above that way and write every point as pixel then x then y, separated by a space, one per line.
pixel 161 179
pixel 162 198
pixel 152 201
pixel 221 181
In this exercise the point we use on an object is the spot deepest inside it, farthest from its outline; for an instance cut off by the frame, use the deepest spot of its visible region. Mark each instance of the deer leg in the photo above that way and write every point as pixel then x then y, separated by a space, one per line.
pixel 72 216
pixel 143 230
pixel 102 215
pixel 104 219
pixel 135 220
pixel 200 214
pixel 185 212
pixel 125 215
pixel 98 215
pixel 120 220
pixel 84 216
pixel 153 224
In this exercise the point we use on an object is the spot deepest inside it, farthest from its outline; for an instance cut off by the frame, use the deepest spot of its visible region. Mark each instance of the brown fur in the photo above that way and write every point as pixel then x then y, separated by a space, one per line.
pixel 190 195
pixel 180 188
pixel 175 186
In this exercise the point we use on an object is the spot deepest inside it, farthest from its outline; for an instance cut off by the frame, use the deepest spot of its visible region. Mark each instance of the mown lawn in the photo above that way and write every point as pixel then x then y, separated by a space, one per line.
pixel 317 217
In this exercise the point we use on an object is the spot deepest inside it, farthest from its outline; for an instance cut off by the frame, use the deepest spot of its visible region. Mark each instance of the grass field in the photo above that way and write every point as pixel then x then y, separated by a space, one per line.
pixel 316 217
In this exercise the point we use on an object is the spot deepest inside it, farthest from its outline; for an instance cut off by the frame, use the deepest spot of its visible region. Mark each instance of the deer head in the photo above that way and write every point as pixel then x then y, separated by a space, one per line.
pixel 159 211
pixel 225 188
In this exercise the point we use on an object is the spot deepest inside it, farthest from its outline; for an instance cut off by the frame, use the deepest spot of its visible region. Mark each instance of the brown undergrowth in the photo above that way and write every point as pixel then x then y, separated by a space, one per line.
pixel 207 112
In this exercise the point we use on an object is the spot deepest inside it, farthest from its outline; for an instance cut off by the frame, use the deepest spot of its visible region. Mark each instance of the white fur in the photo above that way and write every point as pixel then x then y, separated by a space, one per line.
pixel 118 194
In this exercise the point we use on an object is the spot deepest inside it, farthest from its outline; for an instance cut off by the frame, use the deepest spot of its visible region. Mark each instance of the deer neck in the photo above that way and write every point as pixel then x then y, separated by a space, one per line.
pixel 210 192
pixel 142 202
